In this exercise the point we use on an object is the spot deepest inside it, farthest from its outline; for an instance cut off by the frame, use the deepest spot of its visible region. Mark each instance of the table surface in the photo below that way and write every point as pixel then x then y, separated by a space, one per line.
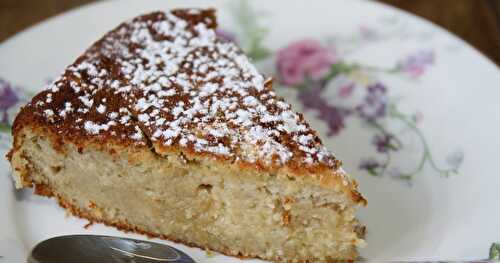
pixel 476 21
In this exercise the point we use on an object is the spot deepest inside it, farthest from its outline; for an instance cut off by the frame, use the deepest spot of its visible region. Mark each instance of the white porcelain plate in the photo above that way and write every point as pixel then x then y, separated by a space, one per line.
pixel 411 110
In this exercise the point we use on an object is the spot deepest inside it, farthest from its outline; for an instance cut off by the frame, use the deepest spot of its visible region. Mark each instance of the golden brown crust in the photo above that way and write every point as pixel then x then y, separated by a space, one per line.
pixel 28 121
pixel 165 76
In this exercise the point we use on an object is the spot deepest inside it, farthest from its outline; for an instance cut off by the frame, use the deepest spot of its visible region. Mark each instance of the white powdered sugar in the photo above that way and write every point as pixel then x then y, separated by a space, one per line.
pixel 48 113
pixel 138 134
pixel 95 128
pixel 178 84
pixel 101 109
pixel 67 109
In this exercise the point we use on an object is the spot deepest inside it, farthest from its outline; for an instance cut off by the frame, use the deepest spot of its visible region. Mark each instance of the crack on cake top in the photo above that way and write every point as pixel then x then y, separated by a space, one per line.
pixel 166 76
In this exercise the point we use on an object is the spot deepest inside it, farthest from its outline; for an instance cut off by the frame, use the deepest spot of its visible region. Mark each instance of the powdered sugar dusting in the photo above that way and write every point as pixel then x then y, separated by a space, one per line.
pixel 167 78
pixel 95 128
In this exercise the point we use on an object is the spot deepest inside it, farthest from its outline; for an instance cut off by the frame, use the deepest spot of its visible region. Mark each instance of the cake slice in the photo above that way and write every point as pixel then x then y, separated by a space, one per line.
pixel 162 129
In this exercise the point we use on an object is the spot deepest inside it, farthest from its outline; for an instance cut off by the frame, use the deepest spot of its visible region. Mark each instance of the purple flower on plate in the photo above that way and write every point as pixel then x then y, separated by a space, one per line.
pixel 225 36
pixel 455 159
pixel 368 33
pixel 333 116
pixel 385 143
pixel 372 166
pixel 304 59
pixel 415 64
pixel 8 99
pixel 375 103
pixel 394 172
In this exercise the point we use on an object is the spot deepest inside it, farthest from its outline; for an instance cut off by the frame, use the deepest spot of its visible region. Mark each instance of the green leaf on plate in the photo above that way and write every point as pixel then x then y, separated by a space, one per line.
pixel 495 251
pixel 252 33
pixel 4 127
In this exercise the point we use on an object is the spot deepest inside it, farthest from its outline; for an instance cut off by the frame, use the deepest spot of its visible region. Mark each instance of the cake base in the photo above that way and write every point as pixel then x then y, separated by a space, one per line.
pixel 202 202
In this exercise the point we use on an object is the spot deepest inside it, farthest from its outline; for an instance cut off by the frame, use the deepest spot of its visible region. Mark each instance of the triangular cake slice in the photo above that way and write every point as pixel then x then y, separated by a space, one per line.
pixel 161 128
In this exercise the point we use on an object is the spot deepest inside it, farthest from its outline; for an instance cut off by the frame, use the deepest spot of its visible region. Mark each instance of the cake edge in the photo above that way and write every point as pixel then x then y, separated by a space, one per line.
pixel 325 176
pixel 22 176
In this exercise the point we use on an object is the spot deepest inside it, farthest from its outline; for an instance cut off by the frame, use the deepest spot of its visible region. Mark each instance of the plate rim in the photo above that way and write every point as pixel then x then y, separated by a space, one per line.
pixel 60 17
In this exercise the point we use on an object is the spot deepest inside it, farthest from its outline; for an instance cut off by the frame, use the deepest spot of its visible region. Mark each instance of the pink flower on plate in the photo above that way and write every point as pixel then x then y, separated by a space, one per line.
pixel 345 91
pixel 304 59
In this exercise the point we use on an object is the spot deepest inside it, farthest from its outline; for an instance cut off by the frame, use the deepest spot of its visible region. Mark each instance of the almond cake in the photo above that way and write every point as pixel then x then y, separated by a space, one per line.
pixel 163 129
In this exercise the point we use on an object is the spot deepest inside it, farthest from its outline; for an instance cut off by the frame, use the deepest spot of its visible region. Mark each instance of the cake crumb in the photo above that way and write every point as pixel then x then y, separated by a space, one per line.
pixel 88 225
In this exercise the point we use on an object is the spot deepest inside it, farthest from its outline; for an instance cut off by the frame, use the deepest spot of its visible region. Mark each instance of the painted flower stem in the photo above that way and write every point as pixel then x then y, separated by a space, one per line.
pixel 252 33
pixel 5 127
pixel 427 155
pixel 344 67
pixel 382 130
pixel 386 163
pixel 376 69
pixel 495 251
pixel 388 154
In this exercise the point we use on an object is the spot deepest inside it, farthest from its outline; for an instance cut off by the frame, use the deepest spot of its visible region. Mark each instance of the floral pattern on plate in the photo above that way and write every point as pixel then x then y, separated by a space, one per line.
pixel 11 99
pixel 311 67
pixel 314 69
pixel 318 70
